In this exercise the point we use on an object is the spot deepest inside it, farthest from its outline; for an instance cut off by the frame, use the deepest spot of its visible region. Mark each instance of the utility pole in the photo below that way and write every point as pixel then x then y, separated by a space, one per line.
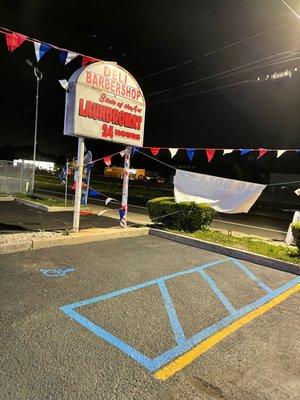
pixel 39 75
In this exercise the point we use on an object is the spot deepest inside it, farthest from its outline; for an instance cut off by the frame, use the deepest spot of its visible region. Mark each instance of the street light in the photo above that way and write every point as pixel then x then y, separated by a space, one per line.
pixel 39 75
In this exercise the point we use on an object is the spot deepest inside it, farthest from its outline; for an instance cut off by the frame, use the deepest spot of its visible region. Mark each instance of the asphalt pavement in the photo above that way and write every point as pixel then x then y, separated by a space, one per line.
pixel 145 318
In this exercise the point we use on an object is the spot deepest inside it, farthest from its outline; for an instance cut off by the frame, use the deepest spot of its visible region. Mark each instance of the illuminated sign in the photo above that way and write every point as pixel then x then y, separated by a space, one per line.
pixel 104 101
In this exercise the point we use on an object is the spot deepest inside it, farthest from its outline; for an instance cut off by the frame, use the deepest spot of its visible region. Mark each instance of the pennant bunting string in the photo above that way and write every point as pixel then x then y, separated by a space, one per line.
pixel 262 152
pixel 14 40
pixel 190 153
pixel 210 153
pixel 173 152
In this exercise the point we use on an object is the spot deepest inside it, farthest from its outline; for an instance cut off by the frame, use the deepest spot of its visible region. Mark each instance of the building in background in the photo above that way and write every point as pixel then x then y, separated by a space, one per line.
pixel 43 165
pixel 117 172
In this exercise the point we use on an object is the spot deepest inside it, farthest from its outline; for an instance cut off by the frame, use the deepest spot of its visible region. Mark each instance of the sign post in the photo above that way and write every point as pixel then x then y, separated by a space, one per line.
pixel 66 183
pixel 104 101
pixel 80 154
pixel 124 205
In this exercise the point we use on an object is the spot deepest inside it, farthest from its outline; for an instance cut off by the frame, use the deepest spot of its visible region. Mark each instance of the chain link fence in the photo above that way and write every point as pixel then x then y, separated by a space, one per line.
pixel 15 177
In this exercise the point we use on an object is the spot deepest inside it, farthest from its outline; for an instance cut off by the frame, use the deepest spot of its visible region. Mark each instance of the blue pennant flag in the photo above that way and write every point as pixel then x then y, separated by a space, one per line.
pixel 94 193
pixel 244 151
pixel 62 56
pixel 190 153
pixel 41 49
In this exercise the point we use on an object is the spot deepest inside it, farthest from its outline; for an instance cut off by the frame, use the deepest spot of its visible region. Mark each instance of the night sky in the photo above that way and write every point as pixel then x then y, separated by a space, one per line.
pixel 146 37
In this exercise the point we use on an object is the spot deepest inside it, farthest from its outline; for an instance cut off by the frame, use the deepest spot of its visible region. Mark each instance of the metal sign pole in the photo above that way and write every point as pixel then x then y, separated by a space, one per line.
pixel 124 207
pixel 80 156
pixel 66 183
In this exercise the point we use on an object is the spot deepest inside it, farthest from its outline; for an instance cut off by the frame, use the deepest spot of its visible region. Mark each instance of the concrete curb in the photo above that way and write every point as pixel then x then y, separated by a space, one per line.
pixel 73 239
pixel 228 251
pixel 7 198
pixel 42 206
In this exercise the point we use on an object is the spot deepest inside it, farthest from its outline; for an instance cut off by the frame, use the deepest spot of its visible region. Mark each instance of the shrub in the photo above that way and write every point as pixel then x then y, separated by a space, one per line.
pixel 186 216
pixel 296 233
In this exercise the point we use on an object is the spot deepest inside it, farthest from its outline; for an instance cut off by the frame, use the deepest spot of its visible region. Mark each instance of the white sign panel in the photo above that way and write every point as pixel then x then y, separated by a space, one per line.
pixel 105 102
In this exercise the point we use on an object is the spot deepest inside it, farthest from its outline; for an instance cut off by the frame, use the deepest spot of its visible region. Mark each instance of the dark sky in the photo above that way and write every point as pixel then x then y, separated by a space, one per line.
pixel 148 36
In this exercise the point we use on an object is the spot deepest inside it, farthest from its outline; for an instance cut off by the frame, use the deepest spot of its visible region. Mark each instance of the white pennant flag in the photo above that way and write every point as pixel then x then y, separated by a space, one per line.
pixel 173 152
pixel 122 153
pixel 280 152
pixel 227 151
pixel 108 200
pixel 297 192
pixel 70 56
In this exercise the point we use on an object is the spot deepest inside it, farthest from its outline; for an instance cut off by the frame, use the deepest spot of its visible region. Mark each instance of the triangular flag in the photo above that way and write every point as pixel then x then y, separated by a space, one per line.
pixel 107 160
pixel 14 40
pixel 94 193
pixel 41 49
pixel 297 192
pixel 244 151
pixel 88 60
pixel 135 150
pixel 227 151
pixel 70 56
pixel 210 153
pixel 173 152
pixel 280 152
pixel 123 152
pixel 73 186
pixel 190 153
pixel 63 56
pixel 155 150
pixel 262 152
pixel 108 200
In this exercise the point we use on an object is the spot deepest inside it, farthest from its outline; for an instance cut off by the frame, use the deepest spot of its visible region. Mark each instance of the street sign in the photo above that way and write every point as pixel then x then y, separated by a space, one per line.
pixel 104 101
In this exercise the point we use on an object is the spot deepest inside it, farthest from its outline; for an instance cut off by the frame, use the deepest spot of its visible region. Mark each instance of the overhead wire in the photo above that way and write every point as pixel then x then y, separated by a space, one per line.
pixel 219 74
pixel 215 51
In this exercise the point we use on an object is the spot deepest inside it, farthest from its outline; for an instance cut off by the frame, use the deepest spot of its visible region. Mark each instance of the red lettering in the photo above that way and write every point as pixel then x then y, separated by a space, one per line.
pixel 107 71
pixel 88 77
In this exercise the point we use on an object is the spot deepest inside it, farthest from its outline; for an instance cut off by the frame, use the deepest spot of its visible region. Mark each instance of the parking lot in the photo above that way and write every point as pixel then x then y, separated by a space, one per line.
pixel 146 318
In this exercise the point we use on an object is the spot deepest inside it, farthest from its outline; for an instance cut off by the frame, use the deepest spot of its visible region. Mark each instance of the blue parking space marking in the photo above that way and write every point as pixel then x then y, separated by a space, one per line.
pixel 183 344
pixel 251 275
pixel 218 292
pixel 177 328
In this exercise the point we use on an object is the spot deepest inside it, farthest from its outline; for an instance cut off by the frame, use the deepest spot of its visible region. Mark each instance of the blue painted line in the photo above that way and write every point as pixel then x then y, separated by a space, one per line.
pixel 218 292
pixel 169 355
pixel 103 334
pixel 54 273
pixel 251 275
pixel 183 344
pixel 119 292
pixel 176 326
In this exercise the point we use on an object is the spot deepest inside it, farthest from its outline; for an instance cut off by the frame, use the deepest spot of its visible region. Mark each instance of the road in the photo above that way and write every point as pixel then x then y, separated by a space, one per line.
pixel 145 319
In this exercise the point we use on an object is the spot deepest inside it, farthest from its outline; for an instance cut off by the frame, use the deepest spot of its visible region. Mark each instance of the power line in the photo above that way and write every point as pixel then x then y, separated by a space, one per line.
pixel 218 74
pixel 228 85
pixel 203 91
pixel 290 8
pixel 214 51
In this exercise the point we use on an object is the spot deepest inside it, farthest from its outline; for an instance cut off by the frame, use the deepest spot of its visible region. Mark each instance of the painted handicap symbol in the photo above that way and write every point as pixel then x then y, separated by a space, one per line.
pixel 56 272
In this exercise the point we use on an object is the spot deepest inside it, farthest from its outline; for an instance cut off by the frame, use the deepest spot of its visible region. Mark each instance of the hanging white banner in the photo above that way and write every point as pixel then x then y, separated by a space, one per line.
pixel 224 195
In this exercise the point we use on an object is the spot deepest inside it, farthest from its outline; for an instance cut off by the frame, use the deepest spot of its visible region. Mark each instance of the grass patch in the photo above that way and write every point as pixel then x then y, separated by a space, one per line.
pixel 47 202
pixel 254 245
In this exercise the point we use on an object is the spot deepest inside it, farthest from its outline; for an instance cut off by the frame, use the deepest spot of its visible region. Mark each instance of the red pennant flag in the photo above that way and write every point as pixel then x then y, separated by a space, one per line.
pixel 14 40
pixel 210 153
pixel 73 186
pixel 262 152
pixel 107 160
pixel 155 150
pixel 88 60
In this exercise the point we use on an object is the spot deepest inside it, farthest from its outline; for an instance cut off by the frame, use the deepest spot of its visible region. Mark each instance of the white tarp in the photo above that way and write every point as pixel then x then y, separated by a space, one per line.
pixel 224 195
